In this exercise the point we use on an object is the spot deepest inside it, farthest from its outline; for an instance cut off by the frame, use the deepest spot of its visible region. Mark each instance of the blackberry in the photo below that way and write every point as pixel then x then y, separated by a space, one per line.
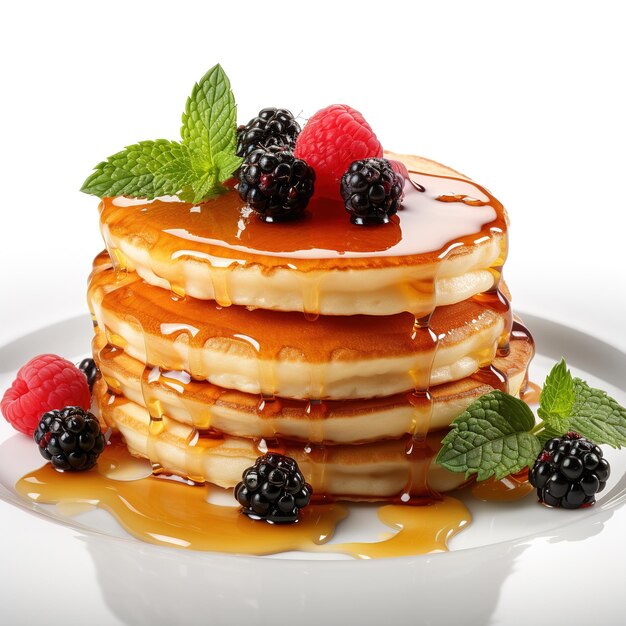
pixel 271 127
pixel 273 489
pixel 70 439
pixel 89 368
pixel 276 184
pixel 371 191
pixel 569 472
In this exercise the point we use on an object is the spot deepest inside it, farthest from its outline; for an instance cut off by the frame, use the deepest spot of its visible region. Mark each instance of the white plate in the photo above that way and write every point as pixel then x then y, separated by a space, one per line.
pixel 517 561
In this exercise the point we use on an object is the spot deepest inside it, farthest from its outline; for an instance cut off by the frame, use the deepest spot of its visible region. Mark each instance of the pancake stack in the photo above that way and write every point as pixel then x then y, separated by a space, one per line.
pixel 349 348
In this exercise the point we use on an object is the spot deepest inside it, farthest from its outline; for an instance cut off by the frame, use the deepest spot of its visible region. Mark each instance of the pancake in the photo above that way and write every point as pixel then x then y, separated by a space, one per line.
pixel 283 354
pixel 449 239
pixel 205 406
pixel 375 471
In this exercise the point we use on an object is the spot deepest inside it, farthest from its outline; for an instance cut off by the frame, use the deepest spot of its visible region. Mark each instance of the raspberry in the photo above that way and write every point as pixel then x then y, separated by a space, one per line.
pixel 45 383
pixel 332 139
pixel 273 489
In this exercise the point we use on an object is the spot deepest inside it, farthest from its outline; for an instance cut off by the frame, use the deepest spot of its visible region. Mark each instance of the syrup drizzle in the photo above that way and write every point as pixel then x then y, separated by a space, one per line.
pixel 417 491
pixel 202 404
pixel 510 488
pixel 269 407
pixel 461 197
pixel 421 530
pixel 416 453
pixel 436 211
pixel 165 512
pixel 531 393
pixel 220 251
pixel 177 334
pixel 422 334
pixel 195 249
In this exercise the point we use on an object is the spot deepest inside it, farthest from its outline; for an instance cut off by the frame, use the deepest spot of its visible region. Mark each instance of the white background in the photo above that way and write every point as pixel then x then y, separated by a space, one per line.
pixel 526 98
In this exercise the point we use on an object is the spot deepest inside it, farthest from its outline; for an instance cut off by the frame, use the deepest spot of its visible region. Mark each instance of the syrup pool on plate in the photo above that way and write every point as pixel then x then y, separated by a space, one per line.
pixel 168 512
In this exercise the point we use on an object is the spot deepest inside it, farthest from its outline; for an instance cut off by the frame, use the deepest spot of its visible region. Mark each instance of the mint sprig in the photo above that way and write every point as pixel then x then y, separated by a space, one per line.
pixel 597 416
pixel 492 437
pixel 209 120
pixel 195 168
pixel 144 170
pixel 497 434
pixel 557 397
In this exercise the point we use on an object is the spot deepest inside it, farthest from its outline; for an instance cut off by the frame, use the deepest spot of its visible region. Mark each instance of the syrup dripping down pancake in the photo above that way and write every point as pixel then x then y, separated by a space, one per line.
pixel 448 235
pixel 375 471
pixel 283 354
pixel 204 405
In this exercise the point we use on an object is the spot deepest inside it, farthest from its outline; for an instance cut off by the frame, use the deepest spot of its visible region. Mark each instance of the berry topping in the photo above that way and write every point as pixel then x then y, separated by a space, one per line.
pixel 371 191
pixel 271 127
pixel 89 368
pixel 46 382
pixel 332 139
pixel 275 184
pixel 273 489
pixel 70 439
pixel 569 472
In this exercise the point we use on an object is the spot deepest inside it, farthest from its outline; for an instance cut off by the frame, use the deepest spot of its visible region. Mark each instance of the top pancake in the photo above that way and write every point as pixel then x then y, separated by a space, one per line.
pixel 447 236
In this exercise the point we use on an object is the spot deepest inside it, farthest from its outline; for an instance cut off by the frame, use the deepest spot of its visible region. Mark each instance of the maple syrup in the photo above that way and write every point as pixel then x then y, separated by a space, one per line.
pixel 224 230
pixel 531 393
pixel 426 330
pixel 417 490
pixel 442 217
pixel 264 334
pixel 202 404
pixel 509 488
pixel 421 530
pixel 170 513
pixel 493 376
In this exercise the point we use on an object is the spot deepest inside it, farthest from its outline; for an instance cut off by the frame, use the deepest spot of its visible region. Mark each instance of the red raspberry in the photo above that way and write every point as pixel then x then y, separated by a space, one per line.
pixel 332 139
pixel 45 383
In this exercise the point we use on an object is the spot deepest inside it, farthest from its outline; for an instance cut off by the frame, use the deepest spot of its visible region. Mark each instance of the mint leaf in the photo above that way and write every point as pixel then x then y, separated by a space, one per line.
pixel 194 169
pixel 144 170
pixel 491 438
pixel 557 398
pixel 597 416
pixel 201 188
pixel 210 118
pixel 226 164
pixel 497 436
pixel 547 433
